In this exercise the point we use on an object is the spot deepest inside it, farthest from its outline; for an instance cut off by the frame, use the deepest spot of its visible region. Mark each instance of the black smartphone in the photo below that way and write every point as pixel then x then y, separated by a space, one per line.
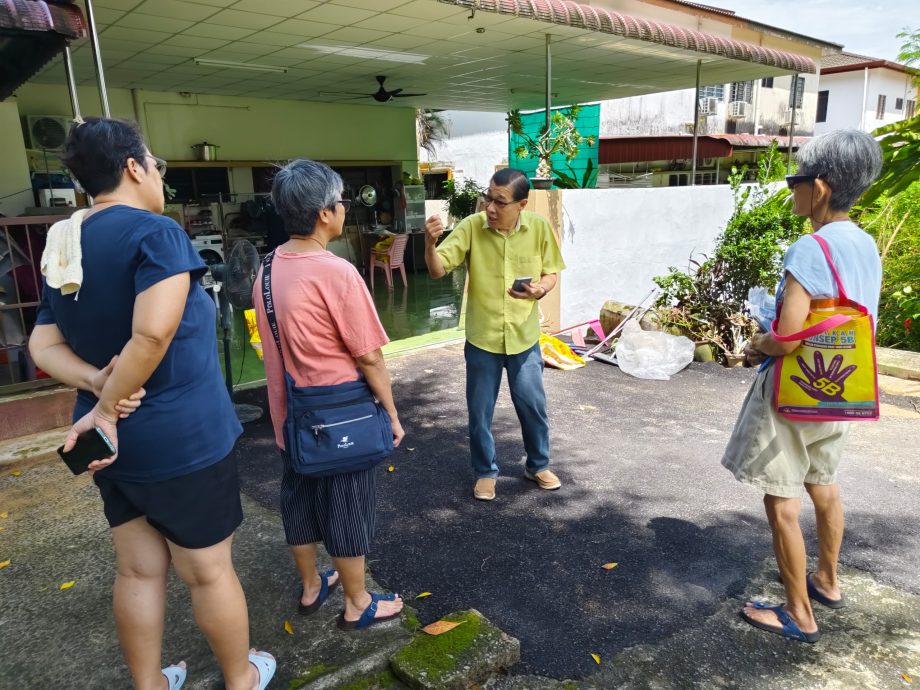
pixel 519 283
pixel 91 445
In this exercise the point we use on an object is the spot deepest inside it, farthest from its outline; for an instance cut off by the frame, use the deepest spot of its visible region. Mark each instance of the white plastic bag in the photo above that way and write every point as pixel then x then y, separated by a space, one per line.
pixel 762 307
pixel 652 354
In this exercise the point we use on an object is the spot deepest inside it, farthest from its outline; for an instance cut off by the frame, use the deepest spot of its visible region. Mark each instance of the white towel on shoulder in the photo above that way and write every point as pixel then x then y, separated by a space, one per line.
pixel 62 260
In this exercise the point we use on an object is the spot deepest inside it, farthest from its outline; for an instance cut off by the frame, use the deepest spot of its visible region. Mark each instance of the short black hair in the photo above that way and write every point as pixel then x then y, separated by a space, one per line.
pixel 97 150
pixel 514 178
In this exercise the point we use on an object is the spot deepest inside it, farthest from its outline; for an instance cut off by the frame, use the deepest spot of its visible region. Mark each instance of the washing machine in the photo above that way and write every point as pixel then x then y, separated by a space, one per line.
pixel 211 250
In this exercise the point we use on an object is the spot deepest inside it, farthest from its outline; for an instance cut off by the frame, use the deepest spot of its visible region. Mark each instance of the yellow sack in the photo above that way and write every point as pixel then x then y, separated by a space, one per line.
pixel 558 355
pixel 254 338
pixel 832 376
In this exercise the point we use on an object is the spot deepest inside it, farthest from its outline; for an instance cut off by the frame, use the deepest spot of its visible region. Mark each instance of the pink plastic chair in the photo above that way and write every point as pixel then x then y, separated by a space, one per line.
pixel 390 260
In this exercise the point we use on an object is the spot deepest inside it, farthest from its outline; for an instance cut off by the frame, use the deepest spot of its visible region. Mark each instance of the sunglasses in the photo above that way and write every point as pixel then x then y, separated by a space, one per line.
pixel 159 164
pixel 346 203
pixel 793 180
pixel 498 202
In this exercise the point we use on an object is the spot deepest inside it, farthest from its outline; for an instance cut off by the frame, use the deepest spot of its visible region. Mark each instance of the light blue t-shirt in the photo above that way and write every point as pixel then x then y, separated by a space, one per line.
pixel 855 256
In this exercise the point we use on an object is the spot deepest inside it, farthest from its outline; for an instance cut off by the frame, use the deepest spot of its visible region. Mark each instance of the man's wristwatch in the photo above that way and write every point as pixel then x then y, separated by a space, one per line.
pixel 544 293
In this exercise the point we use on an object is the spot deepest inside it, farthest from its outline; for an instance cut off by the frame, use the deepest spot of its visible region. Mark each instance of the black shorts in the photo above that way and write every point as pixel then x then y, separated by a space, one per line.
pixel 194 511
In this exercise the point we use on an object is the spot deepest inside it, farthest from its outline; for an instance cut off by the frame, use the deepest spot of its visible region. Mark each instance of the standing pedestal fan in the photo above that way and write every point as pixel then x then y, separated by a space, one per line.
pixel 233 288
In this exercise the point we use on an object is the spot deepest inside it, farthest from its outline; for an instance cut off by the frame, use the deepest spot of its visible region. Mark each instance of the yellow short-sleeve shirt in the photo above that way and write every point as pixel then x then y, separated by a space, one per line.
pixel 495 321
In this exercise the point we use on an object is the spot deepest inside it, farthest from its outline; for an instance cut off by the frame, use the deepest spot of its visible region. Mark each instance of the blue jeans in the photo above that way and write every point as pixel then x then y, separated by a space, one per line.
pixel 525 379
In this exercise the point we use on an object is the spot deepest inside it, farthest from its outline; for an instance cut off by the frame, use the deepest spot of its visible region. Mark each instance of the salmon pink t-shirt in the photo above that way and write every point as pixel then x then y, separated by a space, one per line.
pixel 326 319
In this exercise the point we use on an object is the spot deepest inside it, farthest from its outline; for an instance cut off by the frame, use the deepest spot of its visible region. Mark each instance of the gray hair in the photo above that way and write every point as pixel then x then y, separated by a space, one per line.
pixel 300 190
pixel 849 160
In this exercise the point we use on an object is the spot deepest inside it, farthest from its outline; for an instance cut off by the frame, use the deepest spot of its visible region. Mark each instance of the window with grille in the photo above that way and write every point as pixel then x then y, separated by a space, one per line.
pixel 898 104
pixel 742 91
pixel 910 108
pixel 767 82
pixel 797 93
pixel 822 106
pixel 880 108
pixel 717 91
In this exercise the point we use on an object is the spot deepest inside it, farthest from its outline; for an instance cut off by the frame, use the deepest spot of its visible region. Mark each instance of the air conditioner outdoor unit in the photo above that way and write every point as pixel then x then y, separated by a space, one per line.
pixel 709 106
pixel 738 110
pixel 47 132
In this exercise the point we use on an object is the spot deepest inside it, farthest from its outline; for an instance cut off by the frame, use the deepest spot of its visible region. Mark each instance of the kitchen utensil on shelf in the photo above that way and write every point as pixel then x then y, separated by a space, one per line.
pixel 205 151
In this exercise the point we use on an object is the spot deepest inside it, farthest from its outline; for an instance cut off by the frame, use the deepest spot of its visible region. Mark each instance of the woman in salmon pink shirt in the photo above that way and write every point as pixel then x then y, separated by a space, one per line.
pixel 330 334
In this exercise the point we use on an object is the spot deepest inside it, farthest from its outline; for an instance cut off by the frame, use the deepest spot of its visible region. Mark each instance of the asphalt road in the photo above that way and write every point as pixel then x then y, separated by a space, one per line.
pixel 643 487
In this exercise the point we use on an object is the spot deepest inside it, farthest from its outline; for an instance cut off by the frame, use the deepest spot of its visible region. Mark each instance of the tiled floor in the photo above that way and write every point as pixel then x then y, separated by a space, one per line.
pixel 421 307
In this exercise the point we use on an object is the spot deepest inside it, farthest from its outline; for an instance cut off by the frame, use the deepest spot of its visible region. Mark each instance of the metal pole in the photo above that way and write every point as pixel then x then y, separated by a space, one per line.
pixel 71 84
pixel 794 100
pixel 97 58
pixel 549 79
pixel 696 120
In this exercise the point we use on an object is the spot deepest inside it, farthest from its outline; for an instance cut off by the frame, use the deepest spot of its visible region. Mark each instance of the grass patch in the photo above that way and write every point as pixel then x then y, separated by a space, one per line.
pixel 314 671
pixel 437 655
pixel 379 681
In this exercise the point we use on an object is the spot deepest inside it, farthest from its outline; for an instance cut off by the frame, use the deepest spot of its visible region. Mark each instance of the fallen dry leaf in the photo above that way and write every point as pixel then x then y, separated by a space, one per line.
pixel 16 473
pixel 423 595
pixel 288 628
pixel 907 679
pixel 597 659
pixel 391 469
pixel 441 627
pixel 5 563
pixel 4 515
pixel 68 585
pixel 609 566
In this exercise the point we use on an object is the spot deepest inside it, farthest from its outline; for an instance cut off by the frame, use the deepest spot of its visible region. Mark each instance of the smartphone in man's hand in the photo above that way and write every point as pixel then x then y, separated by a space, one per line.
pixel 521 283
pixel 91 445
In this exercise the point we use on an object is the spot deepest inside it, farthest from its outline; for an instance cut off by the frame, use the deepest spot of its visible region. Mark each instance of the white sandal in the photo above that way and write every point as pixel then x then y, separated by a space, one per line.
pixel 265 665
pixel 175 677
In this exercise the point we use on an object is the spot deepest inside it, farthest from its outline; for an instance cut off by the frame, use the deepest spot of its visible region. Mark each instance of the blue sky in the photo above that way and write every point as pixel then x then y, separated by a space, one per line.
pixel 867 28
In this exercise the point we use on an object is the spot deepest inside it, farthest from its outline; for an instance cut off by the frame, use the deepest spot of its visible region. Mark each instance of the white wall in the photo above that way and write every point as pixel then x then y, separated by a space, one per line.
pixel 477 143
pixel 15 181
pixel 616 240
pixel 845 98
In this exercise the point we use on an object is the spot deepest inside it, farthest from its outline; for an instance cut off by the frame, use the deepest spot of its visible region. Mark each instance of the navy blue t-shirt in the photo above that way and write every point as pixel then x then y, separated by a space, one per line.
pixel 187 421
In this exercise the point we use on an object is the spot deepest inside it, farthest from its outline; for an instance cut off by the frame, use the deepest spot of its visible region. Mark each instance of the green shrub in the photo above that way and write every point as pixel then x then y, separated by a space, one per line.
pixel 895 224
pixel 706 302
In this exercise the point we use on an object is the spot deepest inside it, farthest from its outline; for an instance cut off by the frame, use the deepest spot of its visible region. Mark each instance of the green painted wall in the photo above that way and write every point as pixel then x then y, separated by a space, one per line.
pixel 588 124
pixel 244 128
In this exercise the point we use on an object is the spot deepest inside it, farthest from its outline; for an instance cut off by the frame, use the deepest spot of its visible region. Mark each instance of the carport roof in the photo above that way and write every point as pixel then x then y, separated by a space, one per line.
pixel 491 59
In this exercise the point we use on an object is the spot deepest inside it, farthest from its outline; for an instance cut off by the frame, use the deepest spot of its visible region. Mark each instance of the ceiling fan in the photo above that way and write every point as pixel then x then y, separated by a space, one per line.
pixel 382 95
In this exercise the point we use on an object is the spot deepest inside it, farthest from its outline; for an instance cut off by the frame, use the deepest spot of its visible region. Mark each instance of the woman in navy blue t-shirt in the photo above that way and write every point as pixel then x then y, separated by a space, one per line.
pixel 171 492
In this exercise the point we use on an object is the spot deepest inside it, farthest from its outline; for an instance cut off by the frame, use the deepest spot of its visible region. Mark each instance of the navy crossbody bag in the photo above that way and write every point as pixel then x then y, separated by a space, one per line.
pixel 329 429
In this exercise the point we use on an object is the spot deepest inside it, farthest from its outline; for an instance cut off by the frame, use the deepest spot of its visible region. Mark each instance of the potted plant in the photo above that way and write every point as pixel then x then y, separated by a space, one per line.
pixel 462 201
pixel 560 138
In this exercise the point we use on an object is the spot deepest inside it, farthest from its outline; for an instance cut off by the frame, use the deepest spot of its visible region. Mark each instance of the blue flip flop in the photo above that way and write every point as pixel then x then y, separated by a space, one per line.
pixel 823 599
pixel 325 589
pixel 368 617
pixel 789 629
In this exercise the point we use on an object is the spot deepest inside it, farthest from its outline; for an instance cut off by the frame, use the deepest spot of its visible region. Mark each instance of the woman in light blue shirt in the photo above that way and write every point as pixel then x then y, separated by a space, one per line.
pixel 777 455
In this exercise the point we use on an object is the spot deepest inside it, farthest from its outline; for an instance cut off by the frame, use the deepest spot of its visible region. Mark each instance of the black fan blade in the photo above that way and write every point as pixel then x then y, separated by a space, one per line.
pixel 408 95
pixel 394 92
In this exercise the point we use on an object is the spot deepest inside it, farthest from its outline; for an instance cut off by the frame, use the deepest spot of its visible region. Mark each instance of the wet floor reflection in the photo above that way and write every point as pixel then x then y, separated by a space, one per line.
pixel 421 307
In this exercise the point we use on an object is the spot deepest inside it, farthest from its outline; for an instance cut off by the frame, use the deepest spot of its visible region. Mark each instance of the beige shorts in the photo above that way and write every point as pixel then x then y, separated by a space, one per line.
pixel 777 455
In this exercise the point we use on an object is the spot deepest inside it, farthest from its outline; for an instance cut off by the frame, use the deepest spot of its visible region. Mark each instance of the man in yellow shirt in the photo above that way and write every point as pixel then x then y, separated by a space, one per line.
pixel 499 246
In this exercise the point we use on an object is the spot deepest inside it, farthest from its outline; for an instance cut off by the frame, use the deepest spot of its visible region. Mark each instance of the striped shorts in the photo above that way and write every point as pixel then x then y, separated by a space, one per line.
pixel 337 511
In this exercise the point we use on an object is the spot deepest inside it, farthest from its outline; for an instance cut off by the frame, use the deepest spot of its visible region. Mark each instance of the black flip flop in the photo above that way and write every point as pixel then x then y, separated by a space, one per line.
pixel 325 590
